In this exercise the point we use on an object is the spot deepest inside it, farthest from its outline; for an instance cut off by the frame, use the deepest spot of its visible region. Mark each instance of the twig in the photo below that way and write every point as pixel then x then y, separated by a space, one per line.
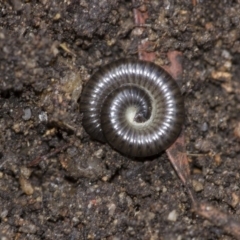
pixel 218 218
pixel 37 160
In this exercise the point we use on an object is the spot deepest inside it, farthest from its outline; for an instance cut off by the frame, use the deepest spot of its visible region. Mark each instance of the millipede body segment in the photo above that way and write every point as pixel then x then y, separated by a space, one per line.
pixel 133 105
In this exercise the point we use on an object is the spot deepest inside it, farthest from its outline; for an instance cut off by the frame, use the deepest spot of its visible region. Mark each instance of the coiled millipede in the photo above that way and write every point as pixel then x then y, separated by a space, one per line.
pixel 133 105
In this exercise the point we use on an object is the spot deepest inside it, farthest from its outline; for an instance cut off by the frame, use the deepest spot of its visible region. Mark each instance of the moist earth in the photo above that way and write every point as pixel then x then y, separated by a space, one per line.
pixel 82 189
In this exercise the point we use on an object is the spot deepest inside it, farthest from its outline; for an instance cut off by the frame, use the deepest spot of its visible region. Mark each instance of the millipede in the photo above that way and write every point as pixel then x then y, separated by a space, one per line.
pixel 133 105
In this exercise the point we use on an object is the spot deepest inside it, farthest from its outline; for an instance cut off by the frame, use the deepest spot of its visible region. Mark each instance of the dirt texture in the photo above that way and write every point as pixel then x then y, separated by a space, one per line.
pixel 55 181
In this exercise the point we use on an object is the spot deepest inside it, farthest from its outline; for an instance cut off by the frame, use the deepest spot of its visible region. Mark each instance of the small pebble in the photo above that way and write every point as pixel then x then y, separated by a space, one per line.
pixel 26 172
pixel 28 228
pixel 204 145
pixel 111 208
pixel 43 117
pixel 16 127
pixel 204 127
pixel 164 189
pixel 237 131
pixel 197 186
pixel 26 186
pixel 235 200
pixel 217 159
pixel 27 114
pixel 172 216
pixel 3 214
pixel 99 153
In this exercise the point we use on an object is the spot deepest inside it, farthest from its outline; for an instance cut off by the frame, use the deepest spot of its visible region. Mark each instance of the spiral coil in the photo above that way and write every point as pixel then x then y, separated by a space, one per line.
pixel 133 105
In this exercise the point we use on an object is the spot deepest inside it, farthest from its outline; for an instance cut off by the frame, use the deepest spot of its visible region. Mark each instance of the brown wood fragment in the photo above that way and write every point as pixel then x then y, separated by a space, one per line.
pixel 140 17
pixel 218 218
pixel 194 2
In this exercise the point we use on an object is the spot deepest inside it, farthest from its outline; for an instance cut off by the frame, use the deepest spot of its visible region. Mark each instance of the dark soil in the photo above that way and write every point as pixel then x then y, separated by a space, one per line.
pixel 48 50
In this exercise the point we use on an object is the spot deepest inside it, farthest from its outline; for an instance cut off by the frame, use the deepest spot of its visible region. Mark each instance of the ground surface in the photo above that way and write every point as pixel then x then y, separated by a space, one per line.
pixel 48 49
